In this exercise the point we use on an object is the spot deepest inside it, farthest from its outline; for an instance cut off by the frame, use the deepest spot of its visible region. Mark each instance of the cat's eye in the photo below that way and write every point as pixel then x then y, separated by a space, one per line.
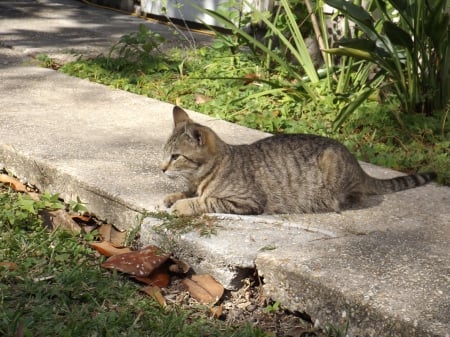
pixel 174 157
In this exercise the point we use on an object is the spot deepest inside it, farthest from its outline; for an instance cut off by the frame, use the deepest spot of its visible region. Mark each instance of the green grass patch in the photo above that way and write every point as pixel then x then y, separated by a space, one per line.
pixel 51 284
pixel 236 88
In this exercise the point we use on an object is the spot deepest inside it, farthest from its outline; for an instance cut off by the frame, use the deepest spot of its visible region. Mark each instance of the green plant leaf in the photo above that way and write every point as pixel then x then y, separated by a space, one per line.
pixel 352 106
pixel 356 53
pixel 397 35
pixel 399 5
pixel 361 44
pixel 300 49
pixel 355 12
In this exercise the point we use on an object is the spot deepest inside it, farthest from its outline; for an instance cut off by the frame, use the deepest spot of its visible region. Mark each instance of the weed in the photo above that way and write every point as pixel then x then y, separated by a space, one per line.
pixel 47 62
pixel 272 308
pixel 336 330
pixel 171 227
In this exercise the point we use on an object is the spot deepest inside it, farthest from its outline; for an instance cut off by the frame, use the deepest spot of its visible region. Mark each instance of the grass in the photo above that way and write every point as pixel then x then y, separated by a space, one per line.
pixel 51 284
pixel 234 87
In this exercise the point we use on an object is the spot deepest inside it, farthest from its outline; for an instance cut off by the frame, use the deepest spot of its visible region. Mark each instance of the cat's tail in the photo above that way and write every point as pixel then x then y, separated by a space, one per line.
pixel 384 186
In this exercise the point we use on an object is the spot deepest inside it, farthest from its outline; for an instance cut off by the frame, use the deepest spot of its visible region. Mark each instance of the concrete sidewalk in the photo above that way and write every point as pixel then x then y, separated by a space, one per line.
pixel 385 267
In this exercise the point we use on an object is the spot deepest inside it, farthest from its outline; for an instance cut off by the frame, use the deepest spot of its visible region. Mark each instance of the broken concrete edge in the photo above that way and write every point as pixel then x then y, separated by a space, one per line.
pixel 316 299
pixel 47 178
pixel 188 247
pixel 229 249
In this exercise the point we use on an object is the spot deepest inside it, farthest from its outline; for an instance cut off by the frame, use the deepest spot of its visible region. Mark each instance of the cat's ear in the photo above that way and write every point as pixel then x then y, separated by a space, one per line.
pixel 199 136
pixel 180 116
pixel 203 137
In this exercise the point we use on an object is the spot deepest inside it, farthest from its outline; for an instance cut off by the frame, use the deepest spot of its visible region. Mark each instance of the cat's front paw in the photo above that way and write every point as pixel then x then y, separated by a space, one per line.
pixel 173 198
pixel 183 207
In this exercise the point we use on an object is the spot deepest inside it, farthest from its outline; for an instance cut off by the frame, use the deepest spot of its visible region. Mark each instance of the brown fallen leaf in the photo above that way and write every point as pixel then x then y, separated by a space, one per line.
pixel 117 237
pixel 14 183
pixel 201 99
pixel 107 249
pixel 59 218
pixel 209 283
pixel 138 263
pixel 159 277
pixel 109 233
pixel 204 288
pixel 155 292
pixel 249 78
pixel 197 292
pixel 216 311
pixel 8 265
pixel 105 232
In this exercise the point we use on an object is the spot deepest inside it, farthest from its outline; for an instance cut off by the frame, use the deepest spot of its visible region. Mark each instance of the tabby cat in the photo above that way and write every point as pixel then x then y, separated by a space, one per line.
pixel 299 173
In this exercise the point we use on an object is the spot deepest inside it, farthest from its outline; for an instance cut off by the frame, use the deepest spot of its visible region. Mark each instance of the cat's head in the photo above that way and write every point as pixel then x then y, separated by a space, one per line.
pixel 190 147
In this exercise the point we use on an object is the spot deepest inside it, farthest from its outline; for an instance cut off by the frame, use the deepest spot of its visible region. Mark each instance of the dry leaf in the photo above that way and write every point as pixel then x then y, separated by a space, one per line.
pixel 201 99
pixel 197 292
pixel 249 78
pixel 159 277
pixel 8 265
pixel 217 311
pixel 155 292
pixel 107 249
pixel 15 184
pixel 59 218
pixel 204 288
pixel 210 284
pixel 138 263
pixel 105 232
pixel 117 237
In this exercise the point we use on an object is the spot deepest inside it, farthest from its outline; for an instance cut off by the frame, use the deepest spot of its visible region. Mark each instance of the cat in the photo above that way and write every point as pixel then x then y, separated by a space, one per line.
pixel 297 173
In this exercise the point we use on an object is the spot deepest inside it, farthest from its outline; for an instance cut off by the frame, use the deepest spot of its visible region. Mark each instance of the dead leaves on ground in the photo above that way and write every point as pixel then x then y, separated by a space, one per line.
pixel 204 288
pixel 149 265
pixel 14 183
pixel 107 249
pixel 139 263
pixel 153 267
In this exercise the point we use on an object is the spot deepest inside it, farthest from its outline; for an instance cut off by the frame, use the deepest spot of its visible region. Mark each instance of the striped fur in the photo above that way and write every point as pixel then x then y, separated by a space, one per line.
pixel 280 174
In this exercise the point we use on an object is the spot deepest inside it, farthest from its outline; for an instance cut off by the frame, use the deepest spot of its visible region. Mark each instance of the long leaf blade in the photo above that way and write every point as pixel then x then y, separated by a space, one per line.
pixel 351 107
pixel 397 35
pixel 356 53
